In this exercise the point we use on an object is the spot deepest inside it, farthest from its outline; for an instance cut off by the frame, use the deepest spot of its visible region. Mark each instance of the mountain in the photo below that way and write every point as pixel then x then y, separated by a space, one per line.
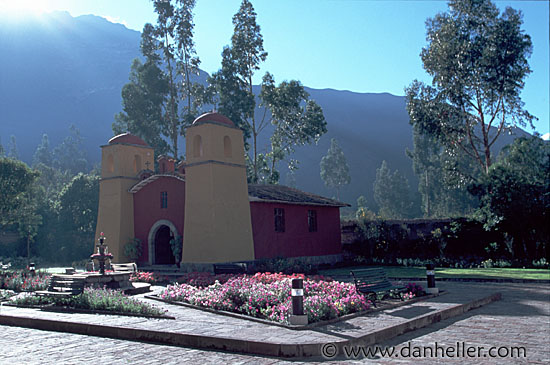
pixel 57 70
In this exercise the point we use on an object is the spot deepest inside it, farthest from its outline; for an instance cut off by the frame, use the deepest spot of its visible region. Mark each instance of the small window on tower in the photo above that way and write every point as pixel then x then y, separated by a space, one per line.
pixel 279 219
pixel 312 220
pixel 110 164
pixel 164 199
pixel 227 146
pixel 137 163
pixel 197 146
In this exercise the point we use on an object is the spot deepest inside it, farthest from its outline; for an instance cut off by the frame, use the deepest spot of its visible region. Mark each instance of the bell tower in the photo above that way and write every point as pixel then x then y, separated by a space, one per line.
pixel 217 220
pixel 122 159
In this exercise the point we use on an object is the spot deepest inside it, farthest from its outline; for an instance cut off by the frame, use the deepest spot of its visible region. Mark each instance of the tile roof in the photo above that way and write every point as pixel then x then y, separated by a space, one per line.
pixel 285 194
pixel 140 185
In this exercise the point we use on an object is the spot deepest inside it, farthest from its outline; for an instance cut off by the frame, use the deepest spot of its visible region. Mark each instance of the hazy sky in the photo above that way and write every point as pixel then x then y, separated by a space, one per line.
pixel 362 46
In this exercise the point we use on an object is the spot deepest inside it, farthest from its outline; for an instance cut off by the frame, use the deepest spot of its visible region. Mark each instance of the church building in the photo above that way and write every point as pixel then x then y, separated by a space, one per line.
pixel 206 204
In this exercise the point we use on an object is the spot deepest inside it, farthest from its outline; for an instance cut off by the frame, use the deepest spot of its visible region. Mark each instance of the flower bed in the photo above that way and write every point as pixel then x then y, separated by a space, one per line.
pixel 267 296
pixel 21 280
pixel 143 277
pixel 96 300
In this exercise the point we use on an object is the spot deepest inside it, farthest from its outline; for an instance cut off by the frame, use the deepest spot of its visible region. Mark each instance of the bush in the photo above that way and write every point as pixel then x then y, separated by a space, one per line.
pixel 412 243
pixel 21 280
pixel 283 265
pixel 132 249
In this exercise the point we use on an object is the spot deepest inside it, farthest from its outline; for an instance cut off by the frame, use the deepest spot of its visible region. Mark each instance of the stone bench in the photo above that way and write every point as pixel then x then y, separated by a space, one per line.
pixel 64 285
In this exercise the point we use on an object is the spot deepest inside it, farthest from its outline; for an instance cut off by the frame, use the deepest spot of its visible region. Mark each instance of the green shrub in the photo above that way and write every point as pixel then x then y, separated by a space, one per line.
pixel 132 249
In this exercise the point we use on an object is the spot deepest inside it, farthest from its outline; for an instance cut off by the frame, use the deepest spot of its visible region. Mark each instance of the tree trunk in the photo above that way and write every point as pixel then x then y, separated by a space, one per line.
pixel 254 133
pixel 28 250
pixel 428 212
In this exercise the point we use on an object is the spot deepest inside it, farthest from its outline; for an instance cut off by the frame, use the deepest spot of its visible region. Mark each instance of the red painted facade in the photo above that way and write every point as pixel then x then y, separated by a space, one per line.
pixel 296 240
pixel 148 210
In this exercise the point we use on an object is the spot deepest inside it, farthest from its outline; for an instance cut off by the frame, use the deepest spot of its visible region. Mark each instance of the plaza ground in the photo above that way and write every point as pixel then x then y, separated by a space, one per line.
pixel 520 318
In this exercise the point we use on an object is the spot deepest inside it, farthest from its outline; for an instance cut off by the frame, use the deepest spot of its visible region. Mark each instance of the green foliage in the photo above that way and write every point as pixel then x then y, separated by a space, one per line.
pixel 283 265
pixel 77 216
pixel 132 249
pixel 297 121
pixel 478 61
pixel 441 183
pixel 52 213
pixel 13 151
pixel 22 280
pixel 392 193
pixel 162 98
pixel 446 242
pixel 334 168
pixel 515 197
pixel 142 100
pixel 233 82
pixel 69 155
pixel 176 244
pixel 43 155
pixel 16 180
pixel 363 212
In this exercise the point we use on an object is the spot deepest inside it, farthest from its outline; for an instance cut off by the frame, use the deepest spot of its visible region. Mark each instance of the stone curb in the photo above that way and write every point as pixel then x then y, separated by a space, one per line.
pixel 236 345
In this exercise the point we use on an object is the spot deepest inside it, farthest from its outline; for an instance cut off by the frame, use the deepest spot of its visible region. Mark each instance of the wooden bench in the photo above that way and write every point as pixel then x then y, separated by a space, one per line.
pixel 129 267
pixel 238 268
pixel 64 285
pixel 373 282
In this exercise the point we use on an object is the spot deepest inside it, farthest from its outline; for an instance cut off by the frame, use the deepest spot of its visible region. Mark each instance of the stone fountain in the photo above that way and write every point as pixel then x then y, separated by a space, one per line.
pixel 110 279
pixel 102 255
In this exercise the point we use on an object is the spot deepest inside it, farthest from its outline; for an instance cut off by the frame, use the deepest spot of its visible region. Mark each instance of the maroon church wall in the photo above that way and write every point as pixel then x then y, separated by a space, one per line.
pixel 147 208
pixel 296 240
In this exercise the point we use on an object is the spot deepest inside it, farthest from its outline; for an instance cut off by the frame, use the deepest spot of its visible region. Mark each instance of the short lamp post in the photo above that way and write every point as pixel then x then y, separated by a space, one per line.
pixel 32 268
pixel 298 317
pixel 430 277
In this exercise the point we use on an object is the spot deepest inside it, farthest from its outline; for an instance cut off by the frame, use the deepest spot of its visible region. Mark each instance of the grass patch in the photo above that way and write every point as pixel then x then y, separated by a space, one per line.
pixel 420 272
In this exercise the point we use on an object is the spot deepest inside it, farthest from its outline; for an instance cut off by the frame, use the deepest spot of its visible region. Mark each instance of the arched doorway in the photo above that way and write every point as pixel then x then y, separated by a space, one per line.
pixel 163 251
pixel 160 251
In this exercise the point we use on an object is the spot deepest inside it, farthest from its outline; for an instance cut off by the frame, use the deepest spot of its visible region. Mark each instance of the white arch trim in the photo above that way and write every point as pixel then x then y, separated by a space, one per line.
pixel 153 232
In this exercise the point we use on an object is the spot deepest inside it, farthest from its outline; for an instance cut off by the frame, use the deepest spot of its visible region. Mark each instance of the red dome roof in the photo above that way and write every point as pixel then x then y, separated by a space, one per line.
pixel 127 138
pixel 214 117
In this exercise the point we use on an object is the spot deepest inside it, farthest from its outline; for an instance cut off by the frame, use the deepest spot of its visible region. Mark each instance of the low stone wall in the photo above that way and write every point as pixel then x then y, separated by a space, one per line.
pixel 112 280
pixel 306 260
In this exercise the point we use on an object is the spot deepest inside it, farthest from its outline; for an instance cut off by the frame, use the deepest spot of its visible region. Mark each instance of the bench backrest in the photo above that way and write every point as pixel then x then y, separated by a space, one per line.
pixel 239 268
pixel 129 267
pixel 371 279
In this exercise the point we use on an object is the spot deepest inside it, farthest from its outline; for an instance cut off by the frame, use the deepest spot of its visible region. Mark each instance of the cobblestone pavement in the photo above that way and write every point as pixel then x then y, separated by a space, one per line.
pixel 521 318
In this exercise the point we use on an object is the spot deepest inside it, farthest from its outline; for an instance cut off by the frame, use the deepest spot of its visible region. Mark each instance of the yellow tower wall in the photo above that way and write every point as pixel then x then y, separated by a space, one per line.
pixel 217 224
pixel 120 165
